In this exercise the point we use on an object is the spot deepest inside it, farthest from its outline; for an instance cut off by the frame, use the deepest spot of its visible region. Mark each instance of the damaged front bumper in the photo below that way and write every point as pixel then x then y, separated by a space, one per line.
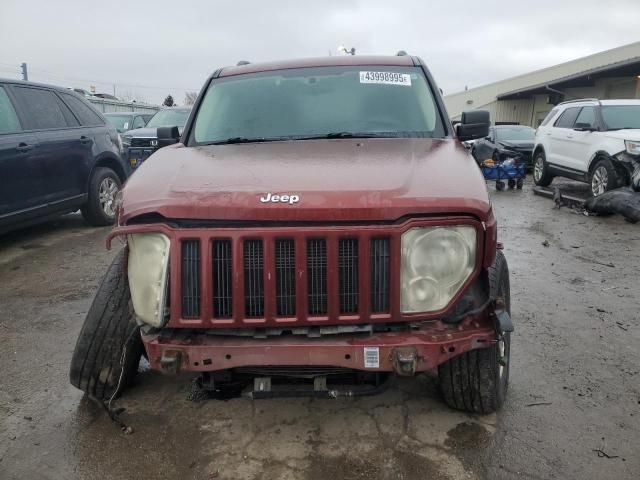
pixel 419 349
pixel 631 164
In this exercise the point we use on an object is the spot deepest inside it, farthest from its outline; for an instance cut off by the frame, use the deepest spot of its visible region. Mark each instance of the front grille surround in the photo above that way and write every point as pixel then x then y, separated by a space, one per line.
pixel 372 305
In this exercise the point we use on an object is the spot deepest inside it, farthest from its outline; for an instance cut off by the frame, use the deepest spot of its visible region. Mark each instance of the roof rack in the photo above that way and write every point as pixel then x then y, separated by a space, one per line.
pixel 242 62
pixel 575 100
pixel 401 53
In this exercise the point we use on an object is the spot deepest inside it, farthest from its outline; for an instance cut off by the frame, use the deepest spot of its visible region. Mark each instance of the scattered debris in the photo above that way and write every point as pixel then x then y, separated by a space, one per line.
pixel 27 418
pixel 603 454
pixel 557 198
pixel 621 326
pixel 624 201
pixel 601 310
pixel 546 243
pixel 538 403
pixel 114 414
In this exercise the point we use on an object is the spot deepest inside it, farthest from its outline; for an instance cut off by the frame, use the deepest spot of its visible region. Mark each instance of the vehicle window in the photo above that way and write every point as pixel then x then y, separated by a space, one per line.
pixel 617 117
pixel 549 117
pixel 279 104
pixel 587 116
pixel 567 118
pixel 515 133
pixel 42 108
pixel 86 115
pixel 9 122
pixel 169 118
pixel 72 121
pixel 138 122
pixel 121 122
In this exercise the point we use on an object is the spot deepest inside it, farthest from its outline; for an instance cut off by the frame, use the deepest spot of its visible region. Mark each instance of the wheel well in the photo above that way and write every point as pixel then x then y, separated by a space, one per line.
pixel 536 150
pixel 623 174
pixel 113 164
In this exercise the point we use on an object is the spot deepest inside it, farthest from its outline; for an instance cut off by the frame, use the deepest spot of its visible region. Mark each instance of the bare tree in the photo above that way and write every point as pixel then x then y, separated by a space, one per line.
pixel 190 98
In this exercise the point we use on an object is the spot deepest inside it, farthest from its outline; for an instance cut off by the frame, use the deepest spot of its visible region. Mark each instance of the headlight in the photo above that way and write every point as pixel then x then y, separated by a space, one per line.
pixel 126 140
pixel 436 261
pixel 148 267
pixel 633 147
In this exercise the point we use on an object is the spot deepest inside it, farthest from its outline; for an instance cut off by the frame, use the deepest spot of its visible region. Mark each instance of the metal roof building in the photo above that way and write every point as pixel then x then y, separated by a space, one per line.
pixel 526 99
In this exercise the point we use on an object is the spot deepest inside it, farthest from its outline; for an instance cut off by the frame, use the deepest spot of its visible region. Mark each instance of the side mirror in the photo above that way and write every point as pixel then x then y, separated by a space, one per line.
pixel 583 127
pixel 475 124
pixel 167 136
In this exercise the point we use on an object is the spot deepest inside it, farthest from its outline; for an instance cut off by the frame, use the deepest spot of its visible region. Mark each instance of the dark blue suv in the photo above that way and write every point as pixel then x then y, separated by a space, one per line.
pixel 58 154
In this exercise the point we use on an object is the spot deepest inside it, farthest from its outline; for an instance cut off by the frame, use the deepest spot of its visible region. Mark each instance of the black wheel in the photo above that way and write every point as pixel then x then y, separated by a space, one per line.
pixel 604 177
pixel 99 210
pixel 109 347
pixel 541 175
pixel 519 184
pixel 512 184
pixel 477 381
pixel 500 185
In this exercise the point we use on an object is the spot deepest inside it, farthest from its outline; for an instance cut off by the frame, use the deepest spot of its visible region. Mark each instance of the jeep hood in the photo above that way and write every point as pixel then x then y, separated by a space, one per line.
pixel 335 180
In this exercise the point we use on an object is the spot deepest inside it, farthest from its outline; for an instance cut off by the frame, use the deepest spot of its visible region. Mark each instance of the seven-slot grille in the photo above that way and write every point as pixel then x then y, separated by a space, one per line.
pixel 256 278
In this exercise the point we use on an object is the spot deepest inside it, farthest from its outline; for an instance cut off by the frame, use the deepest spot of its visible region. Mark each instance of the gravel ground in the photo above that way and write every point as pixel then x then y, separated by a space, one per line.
pixel 573 410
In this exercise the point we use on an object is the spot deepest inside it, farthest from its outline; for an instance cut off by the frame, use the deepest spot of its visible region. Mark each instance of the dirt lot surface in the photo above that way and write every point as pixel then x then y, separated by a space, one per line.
pixel 573 410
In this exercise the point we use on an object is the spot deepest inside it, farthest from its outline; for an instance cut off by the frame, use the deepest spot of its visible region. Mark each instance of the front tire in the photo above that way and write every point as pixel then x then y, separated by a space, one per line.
pixel 541 175
pixel 603 177
pixel 477 381
pixel 109 346
pixel 104 185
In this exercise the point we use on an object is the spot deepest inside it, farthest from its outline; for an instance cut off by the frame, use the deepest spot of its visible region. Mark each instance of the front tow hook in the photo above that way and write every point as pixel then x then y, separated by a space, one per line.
pixel 405 361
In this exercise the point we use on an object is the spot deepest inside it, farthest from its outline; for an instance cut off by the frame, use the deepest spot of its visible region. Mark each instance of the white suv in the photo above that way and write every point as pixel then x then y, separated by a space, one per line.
pixel 592 141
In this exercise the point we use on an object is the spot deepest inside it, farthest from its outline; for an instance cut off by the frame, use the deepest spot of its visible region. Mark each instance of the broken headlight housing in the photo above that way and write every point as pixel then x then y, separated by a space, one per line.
pixel 436 262
pixel 147 270
pixel 632 146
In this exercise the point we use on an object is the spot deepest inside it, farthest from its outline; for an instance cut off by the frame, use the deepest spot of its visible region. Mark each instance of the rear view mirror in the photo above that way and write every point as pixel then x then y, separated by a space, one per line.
pixel 475 124
pixel 167 136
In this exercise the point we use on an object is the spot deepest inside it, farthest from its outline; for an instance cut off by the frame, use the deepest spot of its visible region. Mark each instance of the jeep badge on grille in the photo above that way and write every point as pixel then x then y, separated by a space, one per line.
pixel 271 198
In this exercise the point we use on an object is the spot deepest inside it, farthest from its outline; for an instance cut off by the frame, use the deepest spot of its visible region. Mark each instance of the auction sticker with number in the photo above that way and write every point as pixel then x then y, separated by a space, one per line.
pixel 371 357
pixel 386 78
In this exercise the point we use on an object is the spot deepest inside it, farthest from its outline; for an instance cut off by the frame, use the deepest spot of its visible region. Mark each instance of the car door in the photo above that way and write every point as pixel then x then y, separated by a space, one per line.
pixel 560 137
pixel 20 190
pixel 92 128
pixel 580 139
pixel 63 149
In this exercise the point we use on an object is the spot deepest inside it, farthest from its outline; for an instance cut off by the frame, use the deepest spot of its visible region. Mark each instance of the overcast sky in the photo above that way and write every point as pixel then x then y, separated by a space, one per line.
pixel 150 49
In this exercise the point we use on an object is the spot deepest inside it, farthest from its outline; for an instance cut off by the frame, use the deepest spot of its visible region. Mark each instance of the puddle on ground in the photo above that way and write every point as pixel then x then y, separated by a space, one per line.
pixel 468 436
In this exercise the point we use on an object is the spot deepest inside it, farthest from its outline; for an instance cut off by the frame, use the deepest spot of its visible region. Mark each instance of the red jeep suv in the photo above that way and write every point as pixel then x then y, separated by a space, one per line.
pixel 317 229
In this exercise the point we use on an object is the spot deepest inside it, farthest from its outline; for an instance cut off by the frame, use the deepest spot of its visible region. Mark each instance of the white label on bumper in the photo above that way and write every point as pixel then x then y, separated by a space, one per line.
pixel 371 357
pixel 386 78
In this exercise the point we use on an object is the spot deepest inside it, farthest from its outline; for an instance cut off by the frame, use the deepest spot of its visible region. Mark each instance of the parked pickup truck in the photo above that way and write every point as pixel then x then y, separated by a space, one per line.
pixel 317 221
pixel 140 142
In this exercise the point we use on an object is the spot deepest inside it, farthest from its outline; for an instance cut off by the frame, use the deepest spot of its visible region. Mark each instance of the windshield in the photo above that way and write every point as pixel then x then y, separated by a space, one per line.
pixel 515 134
pixel 315 102
pixel 617 117
pixel 169 118
pixel 121 122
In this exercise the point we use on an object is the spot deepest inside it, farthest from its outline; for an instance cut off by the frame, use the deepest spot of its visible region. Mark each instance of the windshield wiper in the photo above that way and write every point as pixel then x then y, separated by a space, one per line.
pixel 345 135
pixel 233 140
